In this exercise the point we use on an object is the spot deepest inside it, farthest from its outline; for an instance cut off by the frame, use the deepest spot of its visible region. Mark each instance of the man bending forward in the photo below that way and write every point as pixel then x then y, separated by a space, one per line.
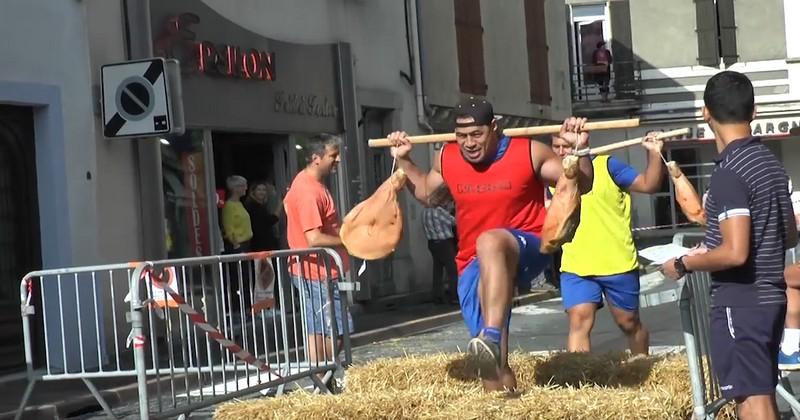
pixel 497 184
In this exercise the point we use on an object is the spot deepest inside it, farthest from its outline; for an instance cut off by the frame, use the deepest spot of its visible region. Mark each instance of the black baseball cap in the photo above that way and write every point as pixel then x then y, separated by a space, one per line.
pixel 479 109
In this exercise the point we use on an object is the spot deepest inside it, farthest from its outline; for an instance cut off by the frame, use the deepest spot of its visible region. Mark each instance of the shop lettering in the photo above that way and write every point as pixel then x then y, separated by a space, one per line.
pixel 178 41
pixel 778 127
pixel 232 61
pixel 311 105
pixel 762 127
pixel 196 222
pixel 483 188
pixel 698 132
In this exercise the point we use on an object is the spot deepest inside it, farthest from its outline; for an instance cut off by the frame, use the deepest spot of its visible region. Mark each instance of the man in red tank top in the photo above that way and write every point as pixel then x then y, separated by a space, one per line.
pixel 498 184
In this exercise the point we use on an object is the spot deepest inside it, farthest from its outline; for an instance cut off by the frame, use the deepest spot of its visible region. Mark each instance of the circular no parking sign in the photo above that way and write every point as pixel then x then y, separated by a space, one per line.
pixel 135 98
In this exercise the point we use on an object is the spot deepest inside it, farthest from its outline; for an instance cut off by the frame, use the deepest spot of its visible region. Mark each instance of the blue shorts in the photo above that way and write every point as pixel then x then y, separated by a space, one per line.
pixel 621 290
pixel 316 311
pixel 531 264
pixel 745 341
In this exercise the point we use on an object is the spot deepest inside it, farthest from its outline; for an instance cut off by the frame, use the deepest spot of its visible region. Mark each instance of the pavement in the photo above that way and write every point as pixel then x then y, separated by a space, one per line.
pixel 538 324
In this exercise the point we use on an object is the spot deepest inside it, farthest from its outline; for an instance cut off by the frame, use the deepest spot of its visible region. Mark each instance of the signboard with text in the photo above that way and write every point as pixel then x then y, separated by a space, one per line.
pixel 233 78
pixel 760 126
pixel 194 184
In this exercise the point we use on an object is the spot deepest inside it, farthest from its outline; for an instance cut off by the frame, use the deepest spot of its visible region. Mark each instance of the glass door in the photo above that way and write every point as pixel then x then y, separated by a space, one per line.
pixel 588 27
pixel 187 190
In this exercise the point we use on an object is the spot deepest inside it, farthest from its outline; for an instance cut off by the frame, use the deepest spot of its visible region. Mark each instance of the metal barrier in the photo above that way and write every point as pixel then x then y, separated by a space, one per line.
pixel 203 330
pixel 73 309
pixel 695 306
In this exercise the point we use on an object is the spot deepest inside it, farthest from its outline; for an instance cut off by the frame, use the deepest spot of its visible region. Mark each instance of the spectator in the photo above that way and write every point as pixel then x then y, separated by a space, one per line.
pixel 439 223
pixel 602 60
pixel 750 226
pixel 312 221
pixel 262 220
pixel 236 227
pixel 237 233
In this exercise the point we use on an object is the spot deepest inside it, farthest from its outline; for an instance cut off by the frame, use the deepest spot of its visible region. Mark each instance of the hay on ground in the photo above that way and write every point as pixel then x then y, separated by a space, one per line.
pixel 443 386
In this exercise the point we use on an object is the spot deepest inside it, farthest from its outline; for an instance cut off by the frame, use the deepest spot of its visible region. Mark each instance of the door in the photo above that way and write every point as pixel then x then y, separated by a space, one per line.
pixel 589 26
pixel 380 273
pixel 589 34
pixel 20 250
pixel 285 169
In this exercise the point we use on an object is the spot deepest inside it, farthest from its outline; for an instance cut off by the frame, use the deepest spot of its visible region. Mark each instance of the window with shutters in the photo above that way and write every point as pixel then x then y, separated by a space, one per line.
pixel 727 31
pixel 469 41
pixel 538 68
pixel 716 32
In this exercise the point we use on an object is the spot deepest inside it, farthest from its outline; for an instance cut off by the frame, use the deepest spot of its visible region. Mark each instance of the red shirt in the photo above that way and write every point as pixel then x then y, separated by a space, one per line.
pixel 503 194
pixel 309 205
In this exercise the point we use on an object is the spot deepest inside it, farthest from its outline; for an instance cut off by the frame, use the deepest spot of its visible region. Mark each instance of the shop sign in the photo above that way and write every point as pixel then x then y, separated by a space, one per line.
pixel 178 40
pixel 760 127
pixel 311 105
pixel 196 213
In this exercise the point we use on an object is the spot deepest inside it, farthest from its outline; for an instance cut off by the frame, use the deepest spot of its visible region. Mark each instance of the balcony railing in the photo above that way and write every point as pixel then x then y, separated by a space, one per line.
pixel 624 83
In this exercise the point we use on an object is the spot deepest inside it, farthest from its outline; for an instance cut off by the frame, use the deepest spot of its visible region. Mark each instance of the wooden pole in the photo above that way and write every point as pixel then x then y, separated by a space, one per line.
pixel 630 142
pixel 514 132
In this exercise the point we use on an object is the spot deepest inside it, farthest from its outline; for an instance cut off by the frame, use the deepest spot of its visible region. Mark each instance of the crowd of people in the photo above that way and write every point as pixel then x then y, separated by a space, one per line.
pixel 249 219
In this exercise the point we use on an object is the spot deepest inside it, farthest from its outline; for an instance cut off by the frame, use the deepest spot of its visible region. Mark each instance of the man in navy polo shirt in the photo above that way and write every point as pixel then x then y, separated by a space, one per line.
pixel 750 226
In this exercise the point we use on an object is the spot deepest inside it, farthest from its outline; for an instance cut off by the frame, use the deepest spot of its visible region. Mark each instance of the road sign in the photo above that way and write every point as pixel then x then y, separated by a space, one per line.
pixel 137 100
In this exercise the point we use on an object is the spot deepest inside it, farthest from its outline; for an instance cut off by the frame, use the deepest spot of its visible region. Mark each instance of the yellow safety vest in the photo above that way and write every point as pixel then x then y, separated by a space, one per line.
pixel 603 244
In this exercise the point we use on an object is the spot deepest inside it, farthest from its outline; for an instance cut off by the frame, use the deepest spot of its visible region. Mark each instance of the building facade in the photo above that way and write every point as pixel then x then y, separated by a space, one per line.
pixel 258 79
pixel 60 196
pixel 662 57
pixel 371 67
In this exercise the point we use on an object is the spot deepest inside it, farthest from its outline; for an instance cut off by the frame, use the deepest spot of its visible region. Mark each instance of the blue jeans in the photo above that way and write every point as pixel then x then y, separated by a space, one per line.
pixel 315 305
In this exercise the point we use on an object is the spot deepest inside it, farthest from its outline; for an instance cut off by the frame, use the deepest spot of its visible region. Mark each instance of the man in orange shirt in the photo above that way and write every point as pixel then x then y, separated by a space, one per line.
pixel 312 222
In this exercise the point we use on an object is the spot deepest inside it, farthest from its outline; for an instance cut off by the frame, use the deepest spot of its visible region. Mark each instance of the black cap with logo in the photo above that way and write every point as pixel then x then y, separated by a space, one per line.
pixel 479 109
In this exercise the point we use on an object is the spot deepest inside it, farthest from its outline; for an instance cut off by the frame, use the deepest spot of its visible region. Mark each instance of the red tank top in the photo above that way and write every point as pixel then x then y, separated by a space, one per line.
pixel 504 194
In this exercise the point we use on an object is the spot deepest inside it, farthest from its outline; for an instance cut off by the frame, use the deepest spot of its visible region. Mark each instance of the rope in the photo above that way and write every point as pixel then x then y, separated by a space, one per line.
pixel 199 320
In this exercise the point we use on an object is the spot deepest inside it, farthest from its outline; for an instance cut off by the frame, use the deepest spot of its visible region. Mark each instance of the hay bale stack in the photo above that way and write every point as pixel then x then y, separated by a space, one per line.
pixel 443 386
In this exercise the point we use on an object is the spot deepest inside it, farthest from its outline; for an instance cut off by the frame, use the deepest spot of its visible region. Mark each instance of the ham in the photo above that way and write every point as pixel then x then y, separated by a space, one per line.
pixel 564 213
pixel 686 195
pixel 373 228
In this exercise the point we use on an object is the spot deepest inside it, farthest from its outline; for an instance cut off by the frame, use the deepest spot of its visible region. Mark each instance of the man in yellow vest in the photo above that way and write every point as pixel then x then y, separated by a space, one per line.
pixel 602 259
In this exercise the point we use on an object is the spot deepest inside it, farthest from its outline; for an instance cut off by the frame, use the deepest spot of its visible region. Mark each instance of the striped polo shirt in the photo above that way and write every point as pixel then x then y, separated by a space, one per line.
pixel 748 180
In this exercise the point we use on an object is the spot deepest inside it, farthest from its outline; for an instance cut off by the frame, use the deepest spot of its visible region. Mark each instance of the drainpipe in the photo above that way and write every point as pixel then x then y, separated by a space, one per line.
pixel 422 119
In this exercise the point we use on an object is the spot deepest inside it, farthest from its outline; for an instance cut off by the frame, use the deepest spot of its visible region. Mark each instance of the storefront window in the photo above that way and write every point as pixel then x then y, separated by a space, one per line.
pixel 185 196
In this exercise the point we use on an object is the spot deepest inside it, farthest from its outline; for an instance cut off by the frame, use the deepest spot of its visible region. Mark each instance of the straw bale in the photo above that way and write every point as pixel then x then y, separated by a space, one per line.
pixel 443 386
